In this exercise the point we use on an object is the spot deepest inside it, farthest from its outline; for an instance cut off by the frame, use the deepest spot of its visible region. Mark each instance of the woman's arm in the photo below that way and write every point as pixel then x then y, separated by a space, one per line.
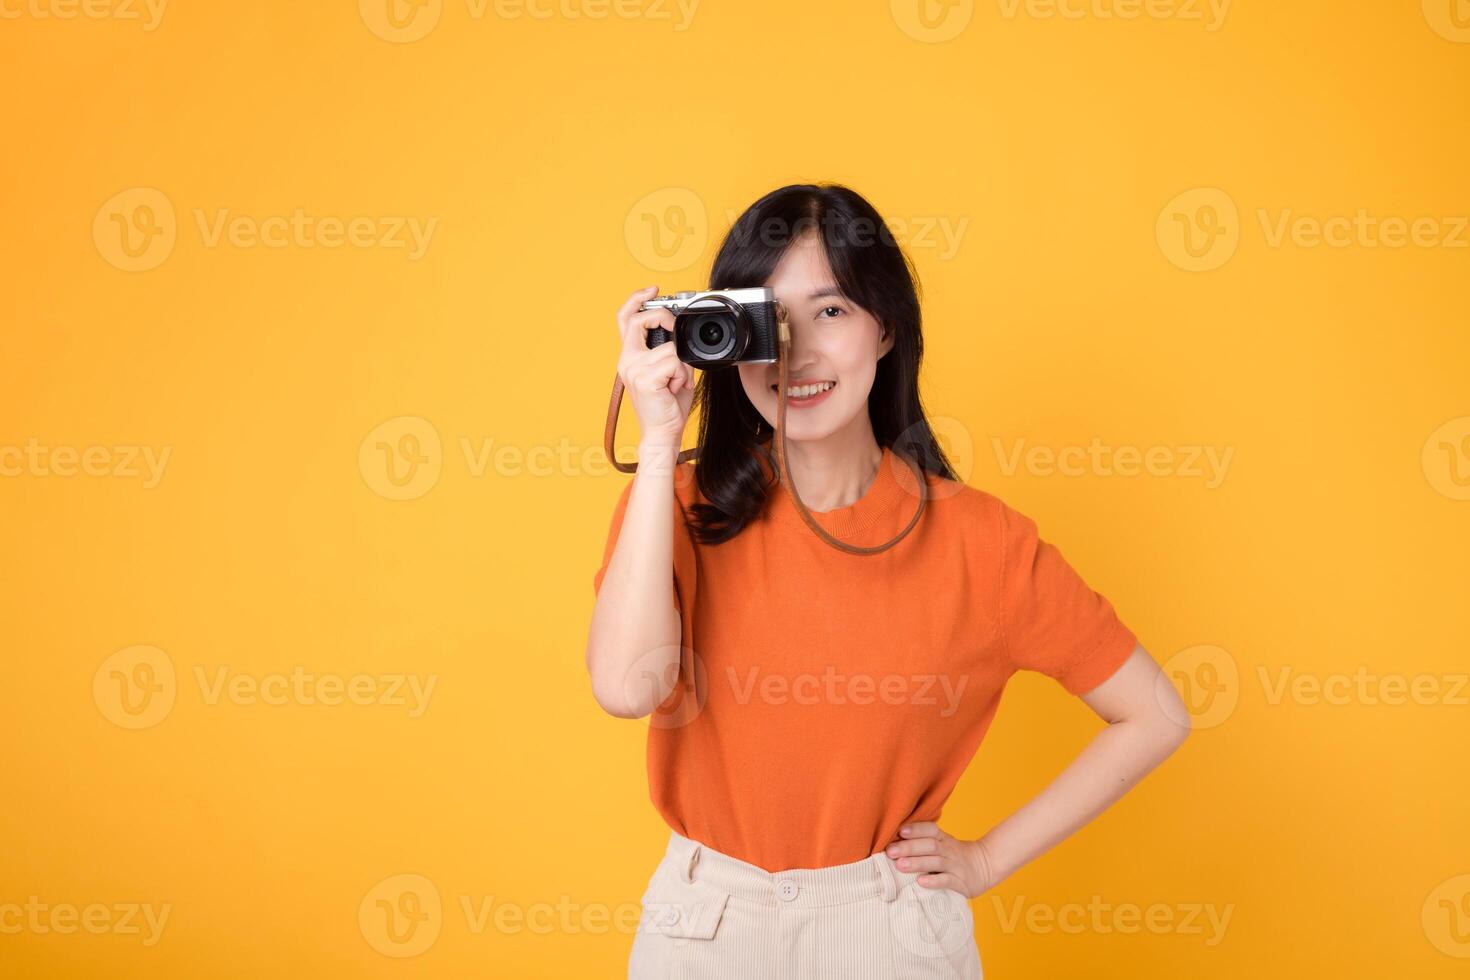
pixel 633 651
pixel 633 642
pixel 1146 722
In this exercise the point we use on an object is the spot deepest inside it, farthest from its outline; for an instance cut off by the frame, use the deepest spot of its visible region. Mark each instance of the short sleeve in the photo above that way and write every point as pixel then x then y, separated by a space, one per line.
pixel 1051 620
pixel 685 570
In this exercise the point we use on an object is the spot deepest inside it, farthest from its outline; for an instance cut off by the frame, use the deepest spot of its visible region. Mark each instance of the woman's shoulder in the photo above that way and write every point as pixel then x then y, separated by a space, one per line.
pixel 963 501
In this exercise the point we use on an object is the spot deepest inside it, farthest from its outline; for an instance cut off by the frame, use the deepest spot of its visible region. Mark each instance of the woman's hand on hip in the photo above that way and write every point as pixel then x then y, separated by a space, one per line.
pixel 959 865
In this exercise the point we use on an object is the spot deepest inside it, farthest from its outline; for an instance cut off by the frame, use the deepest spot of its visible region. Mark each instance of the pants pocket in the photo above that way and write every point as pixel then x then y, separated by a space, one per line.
pixel 678 930
pixel 934 934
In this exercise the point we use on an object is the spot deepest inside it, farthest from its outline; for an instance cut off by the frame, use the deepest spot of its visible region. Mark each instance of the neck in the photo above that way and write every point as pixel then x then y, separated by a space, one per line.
pixel 836 471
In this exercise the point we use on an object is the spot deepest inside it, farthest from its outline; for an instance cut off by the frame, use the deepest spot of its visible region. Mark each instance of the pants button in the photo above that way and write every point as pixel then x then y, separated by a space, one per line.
pixel 786 889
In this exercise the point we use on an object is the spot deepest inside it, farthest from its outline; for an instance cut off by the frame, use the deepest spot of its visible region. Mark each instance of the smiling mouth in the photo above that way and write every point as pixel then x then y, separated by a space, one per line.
pixel 808 390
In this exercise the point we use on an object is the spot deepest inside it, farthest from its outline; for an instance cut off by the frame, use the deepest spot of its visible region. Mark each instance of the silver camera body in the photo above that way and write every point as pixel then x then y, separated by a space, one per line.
pixel 720 327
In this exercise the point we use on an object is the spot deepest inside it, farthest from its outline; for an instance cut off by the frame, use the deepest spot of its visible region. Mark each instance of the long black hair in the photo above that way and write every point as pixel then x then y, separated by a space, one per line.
pixel 735 471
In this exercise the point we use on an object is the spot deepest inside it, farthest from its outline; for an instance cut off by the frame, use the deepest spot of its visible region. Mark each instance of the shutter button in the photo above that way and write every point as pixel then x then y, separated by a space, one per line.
pixel 786 889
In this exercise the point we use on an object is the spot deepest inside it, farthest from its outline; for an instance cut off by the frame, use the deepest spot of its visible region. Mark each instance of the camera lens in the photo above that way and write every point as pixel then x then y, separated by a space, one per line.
pixel 712 336
pixel 711 332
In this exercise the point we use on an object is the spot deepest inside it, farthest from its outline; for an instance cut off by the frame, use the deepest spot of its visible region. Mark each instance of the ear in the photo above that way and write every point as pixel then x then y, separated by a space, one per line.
pixel 885 341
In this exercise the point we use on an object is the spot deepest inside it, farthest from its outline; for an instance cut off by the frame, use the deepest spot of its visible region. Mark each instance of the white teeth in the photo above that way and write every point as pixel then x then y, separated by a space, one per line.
pixel 803 391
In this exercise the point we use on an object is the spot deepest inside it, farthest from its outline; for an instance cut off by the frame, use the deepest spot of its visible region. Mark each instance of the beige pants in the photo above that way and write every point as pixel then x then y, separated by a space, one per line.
pixel 709 916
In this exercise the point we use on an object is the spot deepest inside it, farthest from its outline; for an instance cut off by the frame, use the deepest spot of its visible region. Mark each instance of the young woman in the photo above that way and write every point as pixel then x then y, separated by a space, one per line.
pixel 812 708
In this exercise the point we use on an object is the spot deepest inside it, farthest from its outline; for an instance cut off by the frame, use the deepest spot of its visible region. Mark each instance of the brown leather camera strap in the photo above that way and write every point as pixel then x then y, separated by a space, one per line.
pixel 784 339
pixel 610 432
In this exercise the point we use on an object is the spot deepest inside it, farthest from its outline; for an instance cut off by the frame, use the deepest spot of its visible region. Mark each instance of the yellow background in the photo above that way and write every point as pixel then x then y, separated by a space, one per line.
pixel 546 149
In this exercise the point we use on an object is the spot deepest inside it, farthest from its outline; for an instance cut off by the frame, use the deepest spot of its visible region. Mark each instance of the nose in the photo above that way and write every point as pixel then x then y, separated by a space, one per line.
pixel 799 354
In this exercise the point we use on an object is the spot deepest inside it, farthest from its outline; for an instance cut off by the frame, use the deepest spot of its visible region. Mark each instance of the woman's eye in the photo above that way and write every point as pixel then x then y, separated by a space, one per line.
pixel 832 310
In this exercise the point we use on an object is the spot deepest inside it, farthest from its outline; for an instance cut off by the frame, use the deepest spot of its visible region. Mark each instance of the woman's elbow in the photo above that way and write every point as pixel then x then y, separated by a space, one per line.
pixel 614 694
pixel 611 696
pixel 1171 725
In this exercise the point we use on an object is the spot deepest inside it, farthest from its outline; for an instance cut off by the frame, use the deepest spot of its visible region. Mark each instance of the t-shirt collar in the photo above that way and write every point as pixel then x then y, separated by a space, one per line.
pixel 878 499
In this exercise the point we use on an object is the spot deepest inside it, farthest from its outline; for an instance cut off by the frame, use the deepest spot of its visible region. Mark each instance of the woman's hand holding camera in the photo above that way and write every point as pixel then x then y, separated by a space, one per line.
pixel 660 385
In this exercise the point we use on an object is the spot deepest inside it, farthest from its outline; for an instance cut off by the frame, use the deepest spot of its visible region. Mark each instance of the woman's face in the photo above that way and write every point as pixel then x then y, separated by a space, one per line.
pixel 832 340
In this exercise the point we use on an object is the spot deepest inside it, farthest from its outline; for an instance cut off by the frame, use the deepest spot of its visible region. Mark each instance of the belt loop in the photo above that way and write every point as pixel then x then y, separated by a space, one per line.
pixel 692 861
pixel 885 873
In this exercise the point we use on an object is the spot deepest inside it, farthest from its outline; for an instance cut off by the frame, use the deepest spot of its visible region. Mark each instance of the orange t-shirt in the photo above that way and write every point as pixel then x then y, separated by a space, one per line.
pixel 825 698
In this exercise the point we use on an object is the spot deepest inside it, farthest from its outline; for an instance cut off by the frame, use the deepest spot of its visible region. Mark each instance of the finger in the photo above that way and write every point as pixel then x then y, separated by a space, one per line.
pixel 686 374
pixel 906 848
pixel 654 368
pixel 633 302
pixel 920 828
pixel 924 862
pixel 662 358
pixel 635 331
pixel 943 879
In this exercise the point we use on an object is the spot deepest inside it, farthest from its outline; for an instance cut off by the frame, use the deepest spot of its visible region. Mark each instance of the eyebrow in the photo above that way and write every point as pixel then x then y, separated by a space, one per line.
pixel 827 291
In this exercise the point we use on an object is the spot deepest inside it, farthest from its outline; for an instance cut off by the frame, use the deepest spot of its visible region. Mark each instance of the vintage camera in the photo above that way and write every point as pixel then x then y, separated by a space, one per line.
pixel 720 327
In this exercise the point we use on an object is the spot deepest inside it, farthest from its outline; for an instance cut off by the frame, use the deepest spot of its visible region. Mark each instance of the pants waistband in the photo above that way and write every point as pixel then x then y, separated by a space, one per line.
pixel 875 876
